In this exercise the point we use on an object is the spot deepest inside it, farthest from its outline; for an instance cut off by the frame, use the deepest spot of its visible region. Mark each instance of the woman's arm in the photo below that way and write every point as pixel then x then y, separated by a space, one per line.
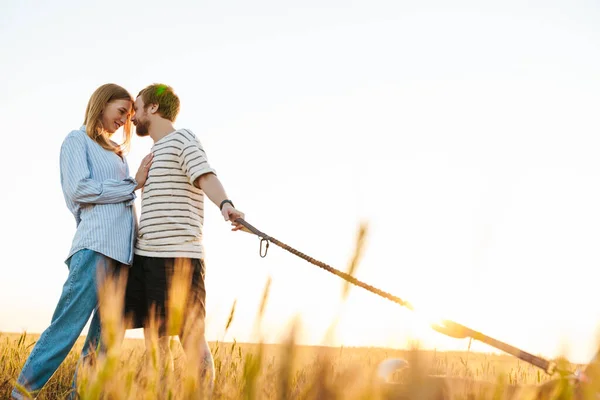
pixel 77 183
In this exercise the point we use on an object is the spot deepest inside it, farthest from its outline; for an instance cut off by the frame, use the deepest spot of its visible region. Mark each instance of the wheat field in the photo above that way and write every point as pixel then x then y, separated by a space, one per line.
pixel 139 369
pixel 285 371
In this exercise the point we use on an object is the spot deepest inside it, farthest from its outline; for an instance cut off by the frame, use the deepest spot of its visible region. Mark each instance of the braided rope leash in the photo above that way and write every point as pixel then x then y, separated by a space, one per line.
pixel 448 328
pixel 265 239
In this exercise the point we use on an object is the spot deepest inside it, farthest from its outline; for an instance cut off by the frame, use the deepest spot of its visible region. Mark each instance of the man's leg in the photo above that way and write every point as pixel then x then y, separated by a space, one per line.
pixel 152 277
pixel 196 347
pixel 77 302
pixel 165 355
pixel 192 335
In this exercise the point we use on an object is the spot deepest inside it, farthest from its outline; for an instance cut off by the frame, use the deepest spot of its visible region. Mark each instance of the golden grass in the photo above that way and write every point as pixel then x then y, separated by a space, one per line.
pixel 138 369
pixel 276 371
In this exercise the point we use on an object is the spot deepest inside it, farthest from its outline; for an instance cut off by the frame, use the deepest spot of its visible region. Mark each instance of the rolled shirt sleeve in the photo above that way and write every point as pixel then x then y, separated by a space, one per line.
pixel 194 161
pixel 78 184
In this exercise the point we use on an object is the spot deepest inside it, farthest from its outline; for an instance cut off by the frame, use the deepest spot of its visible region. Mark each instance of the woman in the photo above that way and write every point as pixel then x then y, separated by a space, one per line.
pixel 100 193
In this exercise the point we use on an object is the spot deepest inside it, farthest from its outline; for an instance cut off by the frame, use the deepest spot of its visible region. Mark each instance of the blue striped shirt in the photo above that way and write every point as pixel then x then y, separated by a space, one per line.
pixel 100 193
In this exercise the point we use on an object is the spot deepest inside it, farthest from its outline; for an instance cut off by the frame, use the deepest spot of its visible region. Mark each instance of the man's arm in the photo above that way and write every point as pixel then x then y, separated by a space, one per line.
pixel 214 190
pixel 212 187
pixel 195 164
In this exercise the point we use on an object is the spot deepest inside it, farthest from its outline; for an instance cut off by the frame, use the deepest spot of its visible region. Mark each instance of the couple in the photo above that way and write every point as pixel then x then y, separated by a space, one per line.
pixel 100 193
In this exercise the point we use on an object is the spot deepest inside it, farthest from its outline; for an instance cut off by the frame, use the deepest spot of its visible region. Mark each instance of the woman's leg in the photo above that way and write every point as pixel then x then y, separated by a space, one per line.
pixel 91 345
pixel 77 302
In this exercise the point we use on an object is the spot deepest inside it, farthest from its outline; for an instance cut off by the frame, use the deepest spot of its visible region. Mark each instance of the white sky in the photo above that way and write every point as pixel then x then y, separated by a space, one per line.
pixel 466 135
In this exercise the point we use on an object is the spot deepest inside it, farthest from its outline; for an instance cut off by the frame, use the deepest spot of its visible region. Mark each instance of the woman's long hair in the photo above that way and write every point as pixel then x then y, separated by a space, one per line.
pixel 93 125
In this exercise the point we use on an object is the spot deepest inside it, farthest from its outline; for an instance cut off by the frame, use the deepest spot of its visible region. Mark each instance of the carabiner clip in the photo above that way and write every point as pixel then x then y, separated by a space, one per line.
pixel 260 251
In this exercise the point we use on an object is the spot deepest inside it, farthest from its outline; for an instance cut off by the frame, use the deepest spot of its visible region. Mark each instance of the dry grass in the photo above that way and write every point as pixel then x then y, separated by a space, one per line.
pixel 131 370
pixel 262 371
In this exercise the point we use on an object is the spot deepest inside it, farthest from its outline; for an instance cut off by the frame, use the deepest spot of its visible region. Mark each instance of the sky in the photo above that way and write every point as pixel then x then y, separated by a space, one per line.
pixel 465 135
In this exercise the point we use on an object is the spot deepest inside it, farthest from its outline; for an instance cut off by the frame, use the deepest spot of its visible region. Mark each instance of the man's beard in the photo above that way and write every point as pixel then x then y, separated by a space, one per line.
pixel 142 128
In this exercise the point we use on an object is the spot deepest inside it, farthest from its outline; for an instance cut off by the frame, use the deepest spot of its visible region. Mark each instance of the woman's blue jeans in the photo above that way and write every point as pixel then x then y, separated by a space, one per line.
pixel 79 299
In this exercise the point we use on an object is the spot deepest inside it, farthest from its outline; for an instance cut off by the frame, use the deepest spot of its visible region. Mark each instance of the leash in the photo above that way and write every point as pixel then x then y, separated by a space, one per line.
pixel 458 331
pixel 447 327
pixel 265 239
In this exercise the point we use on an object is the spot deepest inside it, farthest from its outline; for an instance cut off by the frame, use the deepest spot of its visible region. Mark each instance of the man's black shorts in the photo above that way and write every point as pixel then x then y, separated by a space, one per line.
pixel 148 284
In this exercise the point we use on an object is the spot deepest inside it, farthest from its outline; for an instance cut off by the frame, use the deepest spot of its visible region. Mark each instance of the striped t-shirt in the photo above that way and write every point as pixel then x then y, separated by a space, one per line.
pixel 172 207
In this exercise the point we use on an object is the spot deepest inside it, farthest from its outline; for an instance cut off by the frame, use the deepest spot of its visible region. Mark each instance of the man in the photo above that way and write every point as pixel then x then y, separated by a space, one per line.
pixel 169 239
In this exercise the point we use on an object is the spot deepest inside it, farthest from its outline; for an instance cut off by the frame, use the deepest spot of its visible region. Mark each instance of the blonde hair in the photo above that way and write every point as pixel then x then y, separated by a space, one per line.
pixel 163 96
pixel 93 125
